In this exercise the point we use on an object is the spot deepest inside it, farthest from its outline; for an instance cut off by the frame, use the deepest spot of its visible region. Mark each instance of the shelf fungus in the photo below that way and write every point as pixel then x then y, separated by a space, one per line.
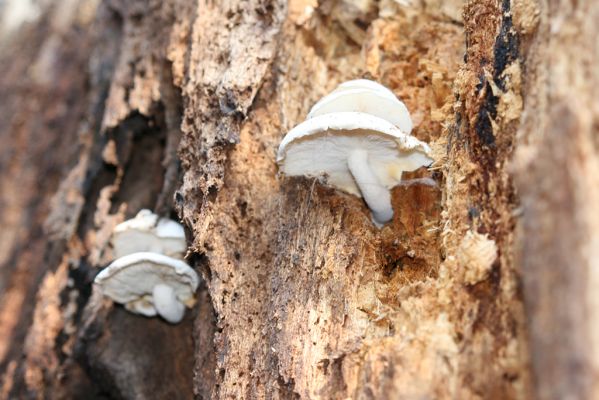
pixel 149 284
pixel 356 140
pixel 362 95
pixel 148 232
pixel 149 276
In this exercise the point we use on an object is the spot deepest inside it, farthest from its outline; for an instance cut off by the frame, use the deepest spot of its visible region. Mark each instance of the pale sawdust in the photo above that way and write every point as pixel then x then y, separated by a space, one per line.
pixel 476 255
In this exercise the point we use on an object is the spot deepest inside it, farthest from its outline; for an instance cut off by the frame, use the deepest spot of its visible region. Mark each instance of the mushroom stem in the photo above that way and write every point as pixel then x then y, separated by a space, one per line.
pixel 167 304
pixel 376 195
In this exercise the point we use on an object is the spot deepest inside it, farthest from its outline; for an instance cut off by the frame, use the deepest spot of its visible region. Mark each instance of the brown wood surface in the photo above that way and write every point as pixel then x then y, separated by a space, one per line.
pixel 482 286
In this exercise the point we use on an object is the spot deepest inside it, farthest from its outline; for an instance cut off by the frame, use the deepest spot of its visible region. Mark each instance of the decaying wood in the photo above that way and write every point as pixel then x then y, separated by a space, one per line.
pixel 557 174
pixel 478 288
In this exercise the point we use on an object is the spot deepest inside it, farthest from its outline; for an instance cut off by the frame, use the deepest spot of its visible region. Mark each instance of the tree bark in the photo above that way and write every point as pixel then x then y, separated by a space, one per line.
pixel 480 287
pixel 556 170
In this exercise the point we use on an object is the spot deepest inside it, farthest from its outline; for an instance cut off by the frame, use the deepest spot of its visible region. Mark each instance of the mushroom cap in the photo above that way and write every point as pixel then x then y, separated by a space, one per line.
pixel 131 279
pixel 365 96
pixel 319 147
pixel 364 84
pixel 148 232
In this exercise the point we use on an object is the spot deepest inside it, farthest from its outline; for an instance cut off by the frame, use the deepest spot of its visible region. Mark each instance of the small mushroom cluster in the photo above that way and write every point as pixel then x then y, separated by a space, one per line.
pixel 356 139
pixel 149 275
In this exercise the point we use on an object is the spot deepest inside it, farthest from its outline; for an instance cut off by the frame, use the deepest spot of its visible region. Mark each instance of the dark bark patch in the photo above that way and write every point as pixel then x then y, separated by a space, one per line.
pixel 486 113
pixel 507 46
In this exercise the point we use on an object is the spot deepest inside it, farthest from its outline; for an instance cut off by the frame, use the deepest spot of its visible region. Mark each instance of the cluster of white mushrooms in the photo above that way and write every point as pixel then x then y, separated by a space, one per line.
pixel 356 139
pixel 149 275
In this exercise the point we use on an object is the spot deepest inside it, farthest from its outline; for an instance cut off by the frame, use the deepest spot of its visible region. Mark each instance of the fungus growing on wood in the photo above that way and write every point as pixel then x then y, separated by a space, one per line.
pixel 362 95
pixel 149 284
pixel 356 152
pixel 148 232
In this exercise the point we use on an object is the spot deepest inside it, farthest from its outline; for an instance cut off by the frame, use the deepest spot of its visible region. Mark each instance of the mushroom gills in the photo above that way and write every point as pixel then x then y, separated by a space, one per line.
pixel 166 303
pixel 374 193
pixel 143 306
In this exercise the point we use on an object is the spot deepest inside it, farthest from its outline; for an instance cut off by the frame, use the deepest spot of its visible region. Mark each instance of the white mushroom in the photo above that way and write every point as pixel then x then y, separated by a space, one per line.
pixel 148 232
pixel 149 284
pixel 355 152
pixel 366 96
pixel 166 303
pixel 364 84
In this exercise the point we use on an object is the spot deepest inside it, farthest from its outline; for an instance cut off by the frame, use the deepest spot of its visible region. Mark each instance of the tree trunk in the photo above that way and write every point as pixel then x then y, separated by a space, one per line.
pixel 480 287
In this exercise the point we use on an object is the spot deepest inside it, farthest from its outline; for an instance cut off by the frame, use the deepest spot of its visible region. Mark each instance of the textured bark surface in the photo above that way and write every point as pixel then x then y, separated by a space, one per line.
pixel 557 174
pixel 179 106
